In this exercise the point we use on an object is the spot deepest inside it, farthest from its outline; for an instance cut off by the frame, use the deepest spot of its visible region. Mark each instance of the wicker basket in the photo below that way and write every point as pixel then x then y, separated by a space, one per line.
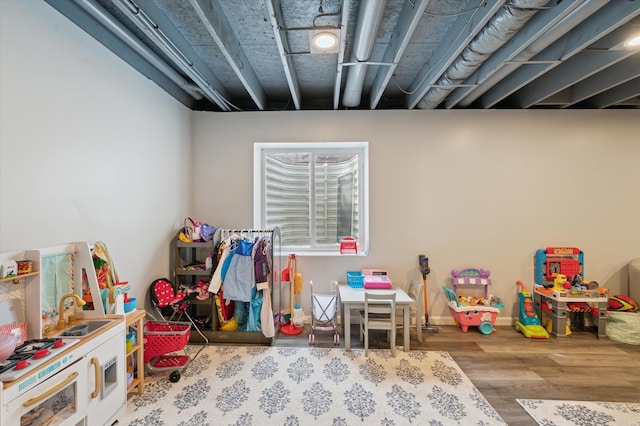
pixel 24 267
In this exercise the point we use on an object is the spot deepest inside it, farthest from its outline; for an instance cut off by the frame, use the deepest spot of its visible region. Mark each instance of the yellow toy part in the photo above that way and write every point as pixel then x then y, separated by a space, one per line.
pixel 549 327
pixel 231 325
pixel 558 282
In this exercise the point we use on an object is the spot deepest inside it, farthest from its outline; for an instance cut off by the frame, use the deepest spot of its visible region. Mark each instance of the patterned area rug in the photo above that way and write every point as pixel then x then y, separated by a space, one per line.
pixel 258 385
pixel 581 413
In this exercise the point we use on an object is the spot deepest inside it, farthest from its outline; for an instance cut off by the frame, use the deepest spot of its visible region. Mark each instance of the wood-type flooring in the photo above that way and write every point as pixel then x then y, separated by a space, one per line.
pixel 506 365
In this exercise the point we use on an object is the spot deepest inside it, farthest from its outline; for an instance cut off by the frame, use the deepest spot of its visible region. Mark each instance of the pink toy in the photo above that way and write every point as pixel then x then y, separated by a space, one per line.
pixel 483 317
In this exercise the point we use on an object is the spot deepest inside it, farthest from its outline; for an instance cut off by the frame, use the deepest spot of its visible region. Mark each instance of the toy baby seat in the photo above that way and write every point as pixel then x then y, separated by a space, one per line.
pixel 483 317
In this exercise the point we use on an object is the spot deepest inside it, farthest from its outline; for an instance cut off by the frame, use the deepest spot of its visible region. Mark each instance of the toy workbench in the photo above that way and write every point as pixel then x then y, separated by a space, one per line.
pixel 560 303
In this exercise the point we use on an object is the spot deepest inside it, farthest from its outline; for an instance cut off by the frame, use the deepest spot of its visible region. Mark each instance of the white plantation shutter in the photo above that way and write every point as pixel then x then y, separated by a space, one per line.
pixel 313 193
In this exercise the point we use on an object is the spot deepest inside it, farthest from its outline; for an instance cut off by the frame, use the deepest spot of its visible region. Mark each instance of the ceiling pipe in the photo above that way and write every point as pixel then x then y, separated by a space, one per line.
pixel 500 28
pixel 369 19
pixel 102 16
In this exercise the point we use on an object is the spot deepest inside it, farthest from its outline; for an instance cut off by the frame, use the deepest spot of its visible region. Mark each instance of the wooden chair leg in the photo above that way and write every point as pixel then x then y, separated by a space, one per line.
pixel 366 342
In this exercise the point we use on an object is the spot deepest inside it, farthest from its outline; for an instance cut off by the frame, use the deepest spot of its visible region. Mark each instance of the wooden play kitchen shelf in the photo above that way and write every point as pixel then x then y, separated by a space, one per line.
pixel 135 356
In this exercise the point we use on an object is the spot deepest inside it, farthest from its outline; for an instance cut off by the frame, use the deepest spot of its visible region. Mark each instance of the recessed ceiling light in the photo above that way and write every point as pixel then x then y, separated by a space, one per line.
pixel 324 41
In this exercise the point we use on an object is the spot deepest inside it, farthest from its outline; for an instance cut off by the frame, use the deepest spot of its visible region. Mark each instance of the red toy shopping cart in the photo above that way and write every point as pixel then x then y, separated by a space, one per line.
pixel 162 339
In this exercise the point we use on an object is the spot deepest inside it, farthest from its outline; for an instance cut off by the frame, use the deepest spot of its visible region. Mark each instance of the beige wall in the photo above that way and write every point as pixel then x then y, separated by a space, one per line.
pixel 91 150
pixel 466 188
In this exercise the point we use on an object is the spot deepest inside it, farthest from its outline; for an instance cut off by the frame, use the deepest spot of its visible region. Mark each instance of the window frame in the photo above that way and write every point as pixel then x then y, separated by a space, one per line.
pixel 261 149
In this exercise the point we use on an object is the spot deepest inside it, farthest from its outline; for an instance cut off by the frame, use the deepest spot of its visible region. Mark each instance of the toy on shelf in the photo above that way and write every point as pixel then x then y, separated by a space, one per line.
pixel 528 322
pixel 481 316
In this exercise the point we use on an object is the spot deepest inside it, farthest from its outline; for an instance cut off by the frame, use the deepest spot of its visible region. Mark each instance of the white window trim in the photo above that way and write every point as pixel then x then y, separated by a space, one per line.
pixel 258 172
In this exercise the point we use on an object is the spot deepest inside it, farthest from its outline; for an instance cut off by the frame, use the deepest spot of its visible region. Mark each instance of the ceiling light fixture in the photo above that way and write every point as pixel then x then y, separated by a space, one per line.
pixel 324 41
pixel 634 42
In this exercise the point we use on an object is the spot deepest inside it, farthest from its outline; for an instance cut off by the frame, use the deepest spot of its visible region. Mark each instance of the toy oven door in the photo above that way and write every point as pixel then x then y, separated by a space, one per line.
pixel 59 400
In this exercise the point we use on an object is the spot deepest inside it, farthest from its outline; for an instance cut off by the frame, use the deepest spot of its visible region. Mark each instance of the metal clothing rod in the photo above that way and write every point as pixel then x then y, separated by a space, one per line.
pixel 247 230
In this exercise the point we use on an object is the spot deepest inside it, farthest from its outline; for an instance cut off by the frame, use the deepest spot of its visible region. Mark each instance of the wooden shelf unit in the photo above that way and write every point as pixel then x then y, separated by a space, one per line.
pixel 16 278
pixel 135 319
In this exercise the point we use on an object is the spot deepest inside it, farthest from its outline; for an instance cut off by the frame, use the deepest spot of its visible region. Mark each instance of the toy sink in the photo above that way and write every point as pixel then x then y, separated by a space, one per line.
pixel 85 328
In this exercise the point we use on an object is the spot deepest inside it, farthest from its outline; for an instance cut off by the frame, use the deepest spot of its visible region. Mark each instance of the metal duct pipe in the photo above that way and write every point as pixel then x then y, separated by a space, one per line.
pixel 102 16
pixel 500 28
pixel 369 18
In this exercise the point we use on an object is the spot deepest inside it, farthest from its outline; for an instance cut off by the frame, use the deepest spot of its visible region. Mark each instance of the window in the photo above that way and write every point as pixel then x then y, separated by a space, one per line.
pixel 316 193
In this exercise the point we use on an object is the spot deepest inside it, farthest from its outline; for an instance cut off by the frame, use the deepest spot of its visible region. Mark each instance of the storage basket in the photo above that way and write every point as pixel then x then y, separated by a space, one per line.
pixel 355 279
pixel 24 267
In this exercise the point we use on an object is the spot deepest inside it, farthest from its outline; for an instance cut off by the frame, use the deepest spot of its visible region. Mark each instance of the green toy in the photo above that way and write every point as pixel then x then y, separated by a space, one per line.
pixel 529 323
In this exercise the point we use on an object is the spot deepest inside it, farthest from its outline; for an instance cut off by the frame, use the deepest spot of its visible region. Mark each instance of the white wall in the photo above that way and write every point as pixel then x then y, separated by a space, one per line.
pixel 90 150
pixel 466 188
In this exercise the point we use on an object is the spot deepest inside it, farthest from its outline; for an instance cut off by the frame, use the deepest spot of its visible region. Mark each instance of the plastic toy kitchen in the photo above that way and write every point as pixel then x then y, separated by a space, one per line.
pixel 62 358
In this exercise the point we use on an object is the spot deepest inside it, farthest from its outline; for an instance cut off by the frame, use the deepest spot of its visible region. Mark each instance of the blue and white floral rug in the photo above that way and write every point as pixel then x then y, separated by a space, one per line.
pixel 259 385
pixel 581 413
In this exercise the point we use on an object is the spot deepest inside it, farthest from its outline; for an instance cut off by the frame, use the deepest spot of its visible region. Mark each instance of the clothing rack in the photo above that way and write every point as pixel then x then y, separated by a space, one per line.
pixel 273 234
pixel 222 233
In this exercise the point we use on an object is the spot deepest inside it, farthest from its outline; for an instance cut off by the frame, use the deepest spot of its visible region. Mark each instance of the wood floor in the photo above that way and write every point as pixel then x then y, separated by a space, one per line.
pixel 505 365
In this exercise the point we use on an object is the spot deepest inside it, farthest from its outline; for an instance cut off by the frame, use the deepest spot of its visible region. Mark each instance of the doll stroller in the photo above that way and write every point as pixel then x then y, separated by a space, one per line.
pixel 324 313
pixel 163 338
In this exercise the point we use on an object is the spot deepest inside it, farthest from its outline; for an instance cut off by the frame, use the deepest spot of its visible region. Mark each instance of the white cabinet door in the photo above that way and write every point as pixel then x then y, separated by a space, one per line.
pixel 107 381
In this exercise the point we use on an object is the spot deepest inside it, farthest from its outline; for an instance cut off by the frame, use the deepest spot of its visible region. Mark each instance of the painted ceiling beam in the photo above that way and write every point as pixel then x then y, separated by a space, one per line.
pixel 158 27
pixel 629 91
pixel 575 69
pixel 216 23
pixel 277 23
pixel 410 16
pixel 465 28
pixel 541 30
pixel 616 75
pixel 613 15
pixel 344 27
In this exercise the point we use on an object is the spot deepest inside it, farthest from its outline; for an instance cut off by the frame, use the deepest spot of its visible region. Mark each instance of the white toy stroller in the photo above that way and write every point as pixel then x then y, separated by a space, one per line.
pixel 324 313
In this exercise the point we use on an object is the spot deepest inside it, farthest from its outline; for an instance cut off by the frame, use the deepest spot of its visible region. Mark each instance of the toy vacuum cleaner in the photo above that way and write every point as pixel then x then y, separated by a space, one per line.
pixel 529 323
pixel 423 261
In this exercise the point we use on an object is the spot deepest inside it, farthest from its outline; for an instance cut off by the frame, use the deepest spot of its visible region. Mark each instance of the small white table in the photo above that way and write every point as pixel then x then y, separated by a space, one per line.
pixel 353 298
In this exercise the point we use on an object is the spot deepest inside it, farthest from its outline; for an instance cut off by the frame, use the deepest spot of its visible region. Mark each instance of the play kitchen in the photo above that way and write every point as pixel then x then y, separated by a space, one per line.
pixel 62 354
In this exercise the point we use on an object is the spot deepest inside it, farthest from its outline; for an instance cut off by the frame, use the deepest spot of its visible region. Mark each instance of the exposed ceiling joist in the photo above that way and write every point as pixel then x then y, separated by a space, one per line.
pixel 249 55
pixel 457 39
pixel 618 74
pixel 612 16
pixel 539 27
pixel 344 29
pixel 629 91
pixel 216 23
pixel 154 23
pixel 409 18
pixel 277 23
pixel 575 69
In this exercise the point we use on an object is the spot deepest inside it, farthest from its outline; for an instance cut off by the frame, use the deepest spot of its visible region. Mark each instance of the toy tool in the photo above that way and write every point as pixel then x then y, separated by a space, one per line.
pixel 529 323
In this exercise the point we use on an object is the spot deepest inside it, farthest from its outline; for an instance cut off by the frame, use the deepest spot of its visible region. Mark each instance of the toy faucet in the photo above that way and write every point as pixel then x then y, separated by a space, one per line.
pixel 61 308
